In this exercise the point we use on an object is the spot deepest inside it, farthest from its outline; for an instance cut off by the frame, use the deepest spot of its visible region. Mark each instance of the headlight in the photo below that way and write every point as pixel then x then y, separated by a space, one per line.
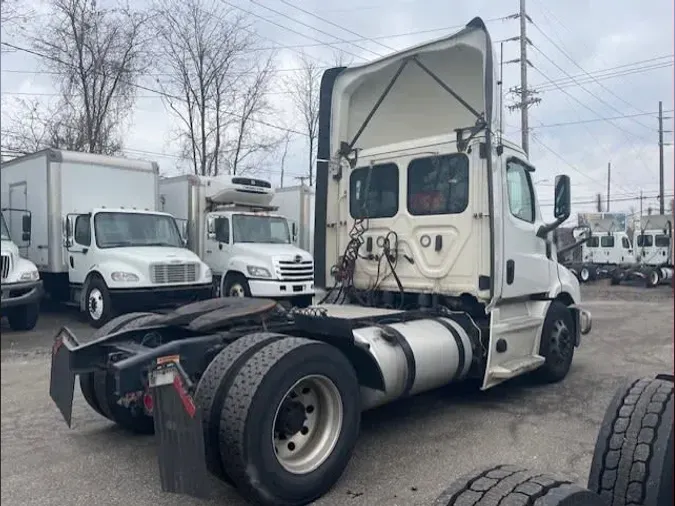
pixel 124 277
pixel 30 276
pixel 258 272
pixel 208 274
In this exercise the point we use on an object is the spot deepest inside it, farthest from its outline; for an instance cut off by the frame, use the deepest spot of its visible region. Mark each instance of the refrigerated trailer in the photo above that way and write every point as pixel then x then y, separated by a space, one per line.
pixel 439 267
pixel 97 239
pixel 296 203
pixel 248 245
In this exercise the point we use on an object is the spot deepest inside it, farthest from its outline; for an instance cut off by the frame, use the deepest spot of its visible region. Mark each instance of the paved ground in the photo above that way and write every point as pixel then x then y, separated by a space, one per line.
pixel 407 454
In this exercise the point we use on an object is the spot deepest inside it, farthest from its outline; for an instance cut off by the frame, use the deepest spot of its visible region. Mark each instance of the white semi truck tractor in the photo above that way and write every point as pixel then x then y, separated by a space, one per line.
pixel 439 266
pixel 249 247
pixel 21 284
pixel 98 241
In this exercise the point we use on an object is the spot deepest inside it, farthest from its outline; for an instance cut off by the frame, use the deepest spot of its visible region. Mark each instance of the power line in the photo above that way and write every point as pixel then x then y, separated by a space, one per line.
pixel 616 199
pixel 581 122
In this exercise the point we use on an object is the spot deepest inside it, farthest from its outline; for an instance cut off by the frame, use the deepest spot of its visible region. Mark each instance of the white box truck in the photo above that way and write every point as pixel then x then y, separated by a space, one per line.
pixel 247 245
pixel 98 240
pixel 21 284
pixel 296 203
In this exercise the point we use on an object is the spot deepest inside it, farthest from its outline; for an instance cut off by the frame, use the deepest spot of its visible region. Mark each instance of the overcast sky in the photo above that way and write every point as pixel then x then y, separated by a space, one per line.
pixel 601 67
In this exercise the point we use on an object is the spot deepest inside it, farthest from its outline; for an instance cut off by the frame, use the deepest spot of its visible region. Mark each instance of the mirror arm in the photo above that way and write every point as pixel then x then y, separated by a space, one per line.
pixel 548 227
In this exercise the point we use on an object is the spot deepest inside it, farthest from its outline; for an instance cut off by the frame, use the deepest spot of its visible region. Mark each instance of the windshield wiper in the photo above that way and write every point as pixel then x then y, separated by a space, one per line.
pixel 120 244
pixel 158 243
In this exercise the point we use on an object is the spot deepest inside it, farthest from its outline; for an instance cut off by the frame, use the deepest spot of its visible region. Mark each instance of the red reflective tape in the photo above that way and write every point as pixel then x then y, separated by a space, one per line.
pixel 57 344
pixel 185 398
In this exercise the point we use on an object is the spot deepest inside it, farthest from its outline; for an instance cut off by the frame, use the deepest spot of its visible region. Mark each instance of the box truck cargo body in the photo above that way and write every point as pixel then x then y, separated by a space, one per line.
pixel 97 238
pixel 296 203
pixel 246 243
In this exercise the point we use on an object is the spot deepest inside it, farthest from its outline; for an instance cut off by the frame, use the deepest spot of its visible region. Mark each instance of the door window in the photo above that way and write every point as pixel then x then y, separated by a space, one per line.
pixel 222 227
pixel 520 191
pixel 625 243
pixel 82 233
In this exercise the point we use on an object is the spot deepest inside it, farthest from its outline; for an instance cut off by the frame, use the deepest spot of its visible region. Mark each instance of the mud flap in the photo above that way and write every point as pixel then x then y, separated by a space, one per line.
pixel 62 378
pixel 179 433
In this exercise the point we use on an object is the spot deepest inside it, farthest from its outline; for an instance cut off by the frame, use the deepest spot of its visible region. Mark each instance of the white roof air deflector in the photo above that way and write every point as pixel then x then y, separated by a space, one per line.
pixel 437 88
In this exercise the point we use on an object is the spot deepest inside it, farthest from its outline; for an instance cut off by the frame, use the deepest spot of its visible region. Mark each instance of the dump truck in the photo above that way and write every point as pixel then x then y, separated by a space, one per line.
pixel 438 268
pixel 97 240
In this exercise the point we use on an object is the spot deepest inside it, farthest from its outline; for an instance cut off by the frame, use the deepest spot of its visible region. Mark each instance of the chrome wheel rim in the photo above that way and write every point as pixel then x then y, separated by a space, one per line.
pixel 237 290
pixel 95 304
pixel 307 424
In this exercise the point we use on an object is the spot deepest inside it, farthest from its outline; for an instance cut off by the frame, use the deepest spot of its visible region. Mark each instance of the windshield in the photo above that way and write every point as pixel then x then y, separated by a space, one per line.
pixel 260 229
pixel 116 230
pixel 3 229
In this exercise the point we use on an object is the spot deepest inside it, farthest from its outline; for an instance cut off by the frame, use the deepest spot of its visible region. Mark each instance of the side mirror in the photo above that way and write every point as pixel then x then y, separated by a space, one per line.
pixel 26 224
pixel 68 232
pixel 562 198
pixel 294 231
pixel 562 207
pixel 211 228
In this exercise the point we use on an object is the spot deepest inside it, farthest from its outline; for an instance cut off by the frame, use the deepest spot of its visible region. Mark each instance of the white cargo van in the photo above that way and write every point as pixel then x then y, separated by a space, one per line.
pixel 248 246
pixel 21 285
pixel 98 240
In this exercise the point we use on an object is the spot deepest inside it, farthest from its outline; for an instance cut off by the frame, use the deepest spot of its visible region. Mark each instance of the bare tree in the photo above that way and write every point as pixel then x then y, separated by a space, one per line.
pixel 304 87
pixel 25 127
pixel 213 84
pixel 98 55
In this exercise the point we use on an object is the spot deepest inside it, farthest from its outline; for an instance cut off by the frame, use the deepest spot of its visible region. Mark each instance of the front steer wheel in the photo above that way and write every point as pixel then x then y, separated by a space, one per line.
pixel 289 422
pixel 556 345
pixel 98 303
pixel 515 486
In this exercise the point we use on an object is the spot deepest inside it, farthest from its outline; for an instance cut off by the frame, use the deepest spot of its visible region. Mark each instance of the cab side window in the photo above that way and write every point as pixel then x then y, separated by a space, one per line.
pixel 607 241
pixel 520 191
pixel 82 233
pixel 593 242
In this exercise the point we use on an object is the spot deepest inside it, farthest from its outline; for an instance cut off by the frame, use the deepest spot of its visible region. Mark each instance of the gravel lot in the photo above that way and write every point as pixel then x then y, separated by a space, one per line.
pixel 408 452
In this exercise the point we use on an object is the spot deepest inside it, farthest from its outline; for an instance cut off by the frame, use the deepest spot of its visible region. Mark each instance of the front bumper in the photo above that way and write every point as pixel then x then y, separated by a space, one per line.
pixel 274 289
pixel 21 294
pixel 153 297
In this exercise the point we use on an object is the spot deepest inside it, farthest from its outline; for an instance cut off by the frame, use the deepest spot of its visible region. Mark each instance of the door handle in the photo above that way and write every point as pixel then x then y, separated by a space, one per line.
pixel 209 251
pixel 510 271
pixel 72 262
pixel 220 246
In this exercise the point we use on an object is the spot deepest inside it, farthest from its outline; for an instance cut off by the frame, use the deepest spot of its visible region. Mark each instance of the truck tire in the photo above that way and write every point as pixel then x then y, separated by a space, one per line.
pixel 584 274
pixel 87 379
pixel 290 422
pixel 132 419
pixel 213 387
pixel 653 278
pixel 98 304
pixel 24 318
pixel 235 285
pixel 515 486
pixel 633 458
pixel 556 345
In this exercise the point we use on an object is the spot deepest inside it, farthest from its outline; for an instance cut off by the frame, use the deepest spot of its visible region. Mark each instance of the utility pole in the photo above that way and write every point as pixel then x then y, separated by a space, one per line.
pixel 609 177
pixel 641 197
pixel 524 94
pixel 661 199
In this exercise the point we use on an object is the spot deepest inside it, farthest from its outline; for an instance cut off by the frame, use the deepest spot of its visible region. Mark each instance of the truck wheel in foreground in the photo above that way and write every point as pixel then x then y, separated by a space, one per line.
pixel 290 421
pixel 235 285
pixel 98 304
pixel 302 301
pixel 86 380
pixel 515 486
pixel 214 385
pixel 557 344
pixel 633 457
pixel 23 318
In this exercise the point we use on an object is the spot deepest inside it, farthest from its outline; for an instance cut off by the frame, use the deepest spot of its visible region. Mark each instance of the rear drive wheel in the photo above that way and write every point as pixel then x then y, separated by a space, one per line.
pixel 653 278
pixel 557 344
pixel 24 318
pixel 214 385
pixel 235 285
pixel 87 379
pixel 633 457
pixel 584 275
pixel 290 422
pixel 98 304
pixel 515 486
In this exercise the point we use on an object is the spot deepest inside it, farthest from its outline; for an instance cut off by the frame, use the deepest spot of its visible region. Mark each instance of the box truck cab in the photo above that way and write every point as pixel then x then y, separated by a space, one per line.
pixel 98 240
pixel 21 285
pixel 654 240
pixel 249 248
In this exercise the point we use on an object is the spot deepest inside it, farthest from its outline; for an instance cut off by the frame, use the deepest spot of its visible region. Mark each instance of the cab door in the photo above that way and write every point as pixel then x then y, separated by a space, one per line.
pixel 78 246
pixel 217 248
pixel 526 265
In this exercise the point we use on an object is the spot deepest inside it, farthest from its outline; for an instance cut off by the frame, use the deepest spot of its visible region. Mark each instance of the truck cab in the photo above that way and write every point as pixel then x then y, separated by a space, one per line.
pixel 654 247
pixel 250 248
pixel 610 248
pixel 21 284
pixel 121 259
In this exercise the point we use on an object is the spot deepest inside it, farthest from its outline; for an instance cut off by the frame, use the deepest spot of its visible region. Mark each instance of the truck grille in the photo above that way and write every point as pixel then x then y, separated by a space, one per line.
pixel 290 270
pixel 6 264
pixel 174 273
